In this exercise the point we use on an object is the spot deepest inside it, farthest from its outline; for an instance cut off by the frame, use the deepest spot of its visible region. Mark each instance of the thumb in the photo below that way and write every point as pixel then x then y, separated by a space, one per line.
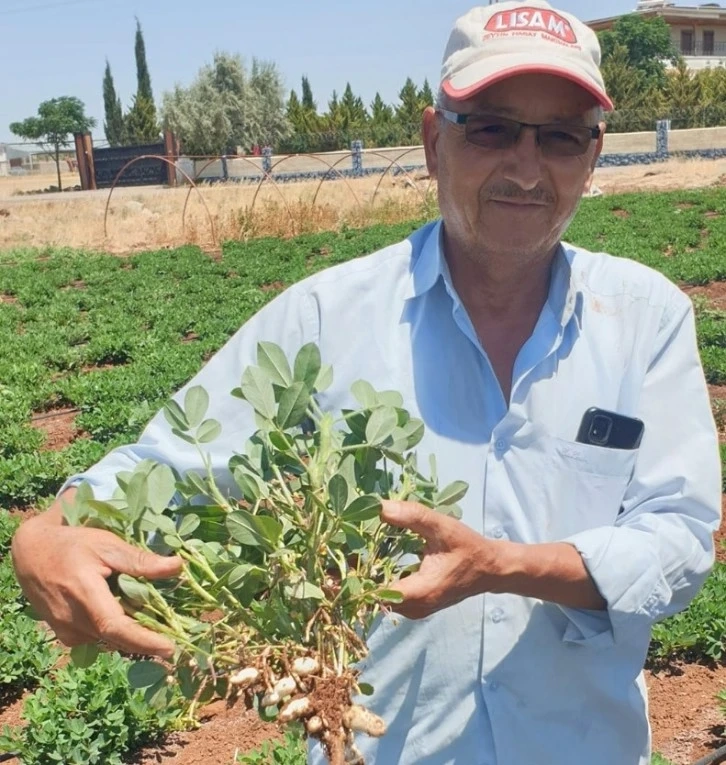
pixel 127 559
pixel 411 515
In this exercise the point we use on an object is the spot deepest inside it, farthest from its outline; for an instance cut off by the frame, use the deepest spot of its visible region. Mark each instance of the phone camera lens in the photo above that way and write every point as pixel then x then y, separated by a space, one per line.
pixel 600 429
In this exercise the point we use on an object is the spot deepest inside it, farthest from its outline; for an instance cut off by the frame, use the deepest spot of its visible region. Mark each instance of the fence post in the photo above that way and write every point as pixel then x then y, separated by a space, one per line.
pixel 90 162
pixel 170 146
pixel 81 161
pixel 662 127
pixel 356 148
pixel 267 159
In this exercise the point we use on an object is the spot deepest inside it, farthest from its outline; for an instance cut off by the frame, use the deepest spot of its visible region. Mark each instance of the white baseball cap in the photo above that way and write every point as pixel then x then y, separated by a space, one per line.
pixel 492 43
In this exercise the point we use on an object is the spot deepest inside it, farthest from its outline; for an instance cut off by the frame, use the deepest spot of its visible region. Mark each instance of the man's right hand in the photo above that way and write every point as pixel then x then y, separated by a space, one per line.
pixel 63 570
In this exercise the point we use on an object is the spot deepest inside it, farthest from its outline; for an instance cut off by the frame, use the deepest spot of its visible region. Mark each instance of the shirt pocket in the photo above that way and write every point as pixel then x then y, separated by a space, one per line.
pixel 586 485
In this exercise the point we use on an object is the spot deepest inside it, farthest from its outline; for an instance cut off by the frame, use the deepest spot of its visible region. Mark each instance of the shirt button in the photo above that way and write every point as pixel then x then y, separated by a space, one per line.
pixel 494 686
pixel 500 445
pixel 497 615
pixel 498 533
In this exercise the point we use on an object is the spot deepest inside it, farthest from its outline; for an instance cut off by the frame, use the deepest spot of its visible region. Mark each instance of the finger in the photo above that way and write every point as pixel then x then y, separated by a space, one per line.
pixel 414 593
pixel 413 516
pixel 113 626
pixel 126 559
pixel 71 637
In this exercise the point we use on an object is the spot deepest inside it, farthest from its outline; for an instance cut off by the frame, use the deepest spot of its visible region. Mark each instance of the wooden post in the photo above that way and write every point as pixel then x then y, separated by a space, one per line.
pixel 88 151
pixel 81 160
pixel 171 147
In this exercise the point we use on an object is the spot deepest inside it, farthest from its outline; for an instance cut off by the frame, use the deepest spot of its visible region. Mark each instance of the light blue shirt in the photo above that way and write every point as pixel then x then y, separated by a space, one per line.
pixel 503 679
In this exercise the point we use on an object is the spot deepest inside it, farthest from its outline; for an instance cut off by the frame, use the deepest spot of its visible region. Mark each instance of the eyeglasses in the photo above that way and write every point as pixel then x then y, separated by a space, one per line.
pixel 492 132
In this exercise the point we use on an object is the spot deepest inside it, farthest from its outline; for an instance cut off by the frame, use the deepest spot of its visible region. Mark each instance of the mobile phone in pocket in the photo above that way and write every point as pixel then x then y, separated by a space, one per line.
pixel 610 430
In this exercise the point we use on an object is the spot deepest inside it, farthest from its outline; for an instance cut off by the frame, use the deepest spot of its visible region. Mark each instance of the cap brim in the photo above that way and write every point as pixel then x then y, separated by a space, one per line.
pixel 475 78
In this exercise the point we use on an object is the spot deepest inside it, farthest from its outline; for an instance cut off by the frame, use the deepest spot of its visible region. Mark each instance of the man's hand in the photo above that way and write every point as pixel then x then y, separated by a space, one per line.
pixel 63 570
pixel 457 563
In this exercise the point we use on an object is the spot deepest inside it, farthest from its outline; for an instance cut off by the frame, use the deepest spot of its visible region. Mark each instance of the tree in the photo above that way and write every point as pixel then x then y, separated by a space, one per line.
pixel 647 41
pixel 354 118
pixel 684 94
pixel 383 128
pixel 114 124
pixel 408 113
pixel 225 107
pixel 637 101
pixel 425 95
pixel 143 77
pixel 307 96
pixel 57 120
pixel 141 125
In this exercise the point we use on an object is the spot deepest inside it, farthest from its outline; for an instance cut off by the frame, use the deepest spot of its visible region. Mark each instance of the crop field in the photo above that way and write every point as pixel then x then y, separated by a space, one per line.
pixel 92 345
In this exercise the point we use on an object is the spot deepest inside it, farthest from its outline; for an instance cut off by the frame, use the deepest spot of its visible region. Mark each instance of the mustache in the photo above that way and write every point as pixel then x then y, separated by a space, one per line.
pixel 512 191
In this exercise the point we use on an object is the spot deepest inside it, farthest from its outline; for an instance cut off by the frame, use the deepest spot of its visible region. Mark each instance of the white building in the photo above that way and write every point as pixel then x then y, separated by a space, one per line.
pixel 698 32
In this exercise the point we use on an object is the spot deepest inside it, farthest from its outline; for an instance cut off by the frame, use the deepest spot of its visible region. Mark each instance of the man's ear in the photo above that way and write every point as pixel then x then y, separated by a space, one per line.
pixel 431 133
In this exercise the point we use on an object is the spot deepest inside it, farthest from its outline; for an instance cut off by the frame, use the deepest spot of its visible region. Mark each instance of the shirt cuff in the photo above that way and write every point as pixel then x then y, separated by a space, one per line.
pixel 628 575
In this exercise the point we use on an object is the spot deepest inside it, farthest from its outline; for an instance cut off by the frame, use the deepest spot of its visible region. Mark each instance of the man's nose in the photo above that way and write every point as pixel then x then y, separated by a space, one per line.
pixel 523 165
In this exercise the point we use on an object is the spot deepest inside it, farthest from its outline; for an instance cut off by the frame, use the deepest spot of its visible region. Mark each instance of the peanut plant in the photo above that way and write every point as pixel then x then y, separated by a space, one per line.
pixel 281 582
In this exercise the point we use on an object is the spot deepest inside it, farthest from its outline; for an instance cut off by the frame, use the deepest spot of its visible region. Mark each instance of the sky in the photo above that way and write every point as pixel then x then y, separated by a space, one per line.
pixel 52 48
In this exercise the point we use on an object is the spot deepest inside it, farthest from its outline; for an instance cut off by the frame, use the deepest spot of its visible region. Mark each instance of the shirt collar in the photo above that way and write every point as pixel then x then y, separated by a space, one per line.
pixel 428 265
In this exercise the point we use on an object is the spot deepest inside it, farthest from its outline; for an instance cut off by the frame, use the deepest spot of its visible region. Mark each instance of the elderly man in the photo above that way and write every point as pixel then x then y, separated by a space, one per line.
pixel 522 638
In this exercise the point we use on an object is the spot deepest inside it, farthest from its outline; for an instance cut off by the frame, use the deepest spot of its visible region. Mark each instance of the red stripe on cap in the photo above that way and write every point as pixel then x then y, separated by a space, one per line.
pixel 503 74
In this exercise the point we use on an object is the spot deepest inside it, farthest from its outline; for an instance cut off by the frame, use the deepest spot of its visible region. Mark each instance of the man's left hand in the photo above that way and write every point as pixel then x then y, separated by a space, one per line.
pixel 457 563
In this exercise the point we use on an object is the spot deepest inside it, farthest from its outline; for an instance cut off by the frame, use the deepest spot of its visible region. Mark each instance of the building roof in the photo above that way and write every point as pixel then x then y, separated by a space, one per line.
pixel 711 12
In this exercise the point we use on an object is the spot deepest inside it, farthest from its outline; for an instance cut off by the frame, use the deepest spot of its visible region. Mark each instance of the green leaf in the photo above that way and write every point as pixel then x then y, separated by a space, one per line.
pixel 389 596
pixel 144 674
pixel 353 539
pixel 362 509
pixel 271 358
pixel 325 378
pixel 188 682
pixel 366 689
pixel 453 511
pixel 183 436
pixel 257 390
pixel 293 405
pixel 196 403
pixel 175 415
pixel 338 492
pixel 364 394
pixel 161 487
pixel 390 398
pixel 136 592
pixel 137 494
pixel 280 440
pixel 208 431
pixel 197 482
pixel 414 430
pixel 307 365
pixel 84 656
pixel 303 590
pixel 189 525
pixel 452 493
pixel 252 487
pixel 254 530
pixel 108 512
pixel 380 426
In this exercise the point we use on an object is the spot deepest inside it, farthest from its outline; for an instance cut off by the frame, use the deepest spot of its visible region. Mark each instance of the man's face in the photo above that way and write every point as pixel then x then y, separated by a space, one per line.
pixel 515 201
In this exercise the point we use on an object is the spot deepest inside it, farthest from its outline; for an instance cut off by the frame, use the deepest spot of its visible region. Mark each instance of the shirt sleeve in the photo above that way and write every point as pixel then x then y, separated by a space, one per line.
pixel 654 560
pixel 290 321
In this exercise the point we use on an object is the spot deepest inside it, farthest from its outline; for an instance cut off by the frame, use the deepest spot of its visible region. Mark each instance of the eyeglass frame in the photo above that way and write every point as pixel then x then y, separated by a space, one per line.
pixel 461 119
